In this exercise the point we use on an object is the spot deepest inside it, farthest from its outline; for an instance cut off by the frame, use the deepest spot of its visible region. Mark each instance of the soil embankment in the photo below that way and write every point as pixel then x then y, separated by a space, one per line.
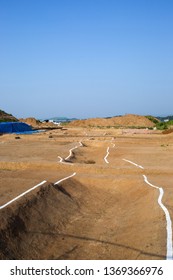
pixel 30 225
pixel 128 120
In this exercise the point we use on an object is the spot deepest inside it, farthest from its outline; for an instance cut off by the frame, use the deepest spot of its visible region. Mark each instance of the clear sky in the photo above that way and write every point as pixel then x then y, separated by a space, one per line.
pixel 86 58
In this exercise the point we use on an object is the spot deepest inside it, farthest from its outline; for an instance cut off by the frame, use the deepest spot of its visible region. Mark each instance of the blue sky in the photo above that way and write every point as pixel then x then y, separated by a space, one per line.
pixel 86 58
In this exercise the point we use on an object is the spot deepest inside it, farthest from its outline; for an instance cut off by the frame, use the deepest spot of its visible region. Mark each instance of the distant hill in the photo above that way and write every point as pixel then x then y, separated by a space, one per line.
pixel 5 117
pixel 162 119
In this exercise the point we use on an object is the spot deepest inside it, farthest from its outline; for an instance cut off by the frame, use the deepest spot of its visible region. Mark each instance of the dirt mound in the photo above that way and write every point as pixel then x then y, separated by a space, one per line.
pixel 31 121
pixel 128 120
pixel 34 221
pixel 133 120
pixel 36 124
pixel 5 117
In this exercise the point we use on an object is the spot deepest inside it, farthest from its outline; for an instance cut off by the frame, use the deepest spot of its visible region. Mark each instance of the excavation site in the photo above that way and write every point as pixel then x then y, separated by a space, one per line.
pixel 86 193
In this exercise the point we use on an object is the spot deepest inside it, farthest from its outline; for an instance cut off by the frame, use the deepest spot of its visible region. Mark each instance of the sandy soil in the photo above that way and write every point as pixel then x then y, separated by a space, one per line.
pixel 105 211
pixel 121 121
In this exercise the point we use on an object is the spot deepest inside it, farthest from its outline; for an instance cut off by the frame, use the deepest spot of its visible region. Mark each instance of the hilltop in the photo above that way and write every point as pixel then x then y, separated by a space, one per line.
pixel 5 117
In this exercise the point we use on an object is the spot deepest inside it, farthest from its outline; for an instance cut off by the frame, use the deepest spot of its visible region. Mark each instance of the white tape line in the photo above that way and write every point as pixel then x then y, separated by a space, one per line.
pixel 140 166
pixel 169 254
pixel 70 154
pixel 60 159
pixel 64 162
pixel 31 189
pixel 65 178
pixel 105 158
pixel 22 194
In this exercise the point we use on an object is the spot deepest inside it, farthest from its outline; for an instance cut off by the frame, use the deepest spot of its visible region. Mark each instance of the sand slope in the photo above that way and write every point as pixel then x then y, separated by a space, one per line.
pixel 126 120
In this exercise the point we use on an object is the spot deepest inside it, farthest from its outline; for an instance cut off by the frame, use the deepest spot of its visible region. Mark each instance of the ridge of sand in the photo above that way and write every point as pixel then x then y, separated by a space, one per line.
pixel 122 121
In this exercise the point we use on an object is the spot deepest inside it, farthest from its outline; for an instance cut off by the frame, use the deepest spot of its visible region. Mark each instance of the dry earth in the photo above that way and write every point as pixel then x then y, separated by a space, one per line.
pixel 121 121
pixel 105 211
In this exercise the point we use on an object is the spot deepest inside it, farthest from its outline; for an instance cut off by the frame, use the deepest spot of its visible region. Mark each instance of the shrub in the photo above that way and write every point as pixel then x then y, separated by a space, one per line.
pixel 162 125
pixel 152 119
